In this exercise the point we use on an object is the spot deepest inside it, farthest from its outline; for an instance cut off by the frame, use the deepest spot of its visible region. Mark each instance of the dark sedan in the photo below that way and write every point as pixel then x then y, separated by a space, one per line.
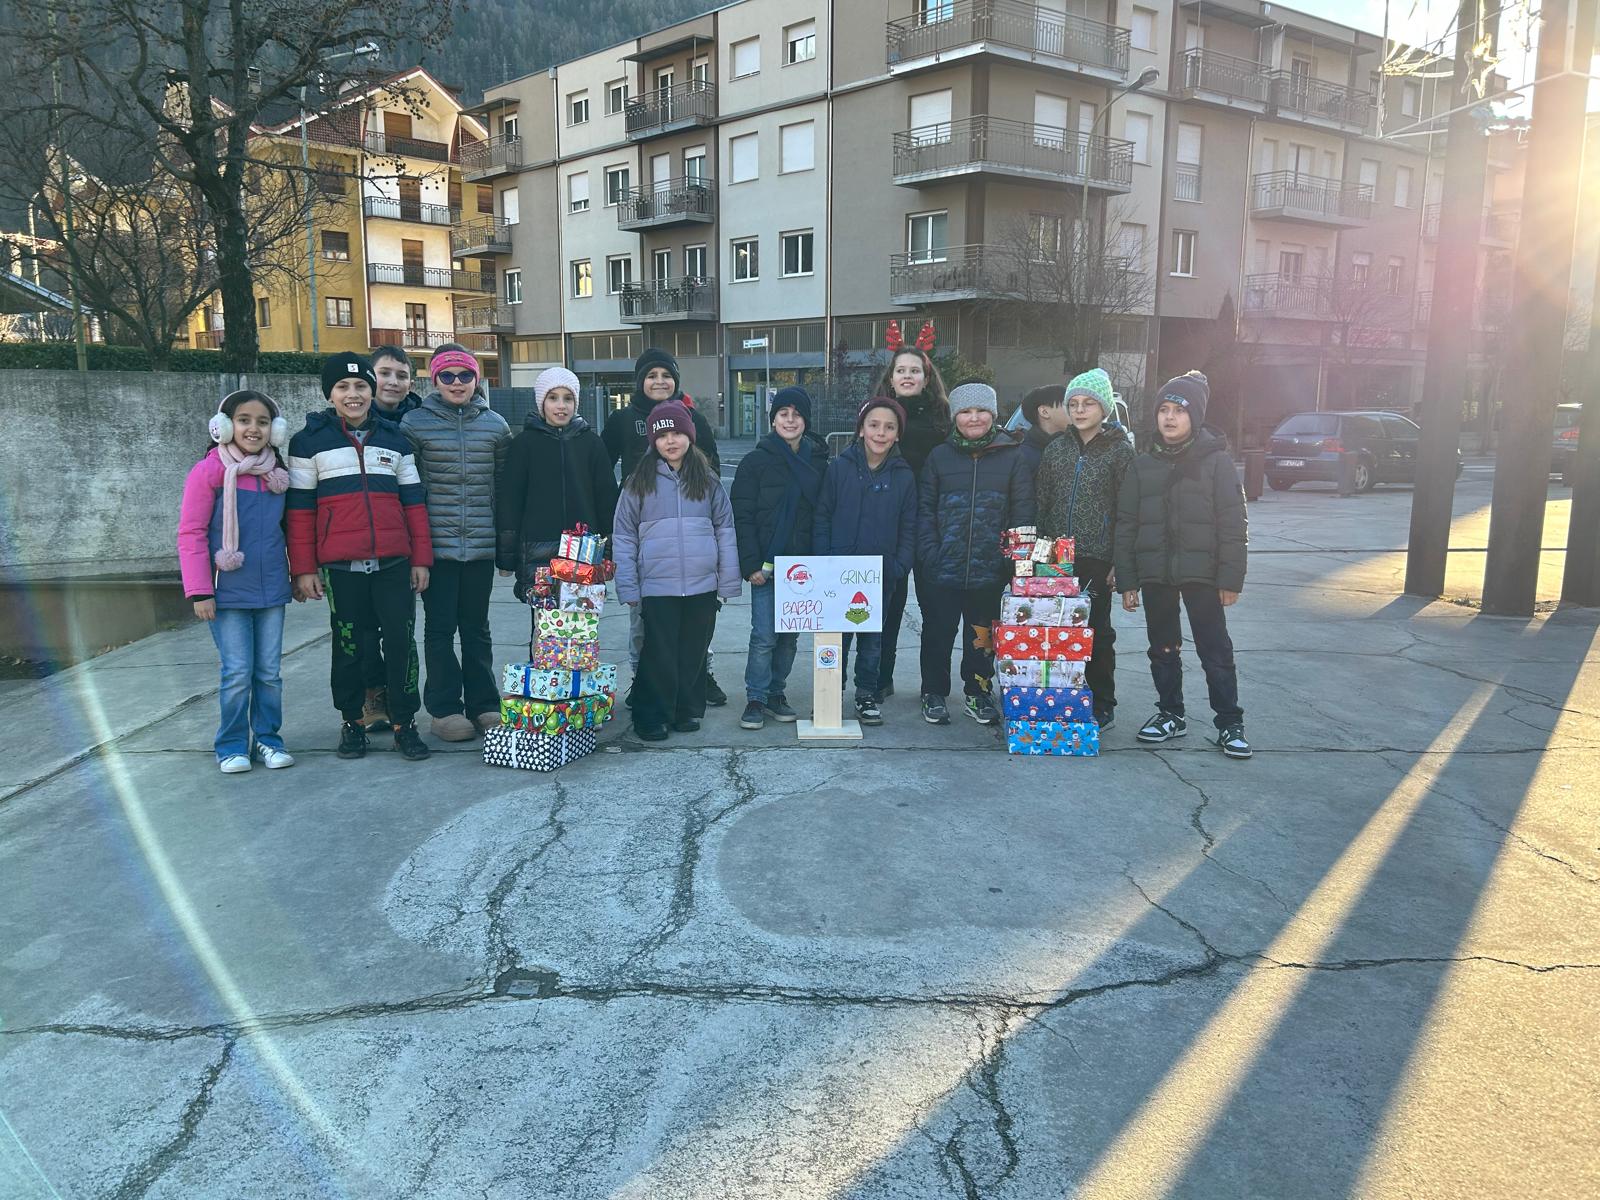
pixel 1307 448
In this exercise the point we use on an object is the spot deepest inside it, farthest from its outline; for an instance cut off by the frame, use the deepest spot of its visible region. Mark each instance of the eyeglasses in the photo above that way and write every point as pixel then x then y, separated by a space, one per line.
pixel 455 376
pixel 1081 405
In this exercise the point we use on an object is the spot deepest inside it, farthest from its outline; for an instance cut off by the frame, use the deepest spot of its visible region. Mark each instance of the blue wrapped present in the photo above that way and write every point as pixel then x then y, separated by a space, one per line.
pixel 1076 739
pixel 1047 704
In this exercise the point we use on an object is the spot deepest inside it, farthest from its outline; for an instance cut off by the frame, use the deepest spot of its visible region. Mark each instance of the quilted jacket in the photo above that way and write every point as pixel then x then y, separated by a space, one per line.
pixel 669 545
pixel 1181 518
pixel 967 500
pixel 460 453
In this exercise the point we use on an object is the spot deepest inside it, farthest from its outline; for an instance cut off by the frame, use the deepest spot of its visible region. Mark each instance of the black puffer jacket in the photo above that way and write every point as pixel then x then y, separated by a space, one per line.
pixel 626 443
pixel 759 486
pixel 927 426
pixel 459 452
pixel 966 501
pixel 1181 518
pixel 553 479
pixel 1077 488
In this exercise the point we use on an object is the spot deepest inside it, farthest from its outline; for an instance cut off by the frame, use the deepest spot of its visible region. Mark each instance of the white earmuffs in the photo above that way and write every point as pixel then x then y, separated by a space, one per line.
pixel 221 426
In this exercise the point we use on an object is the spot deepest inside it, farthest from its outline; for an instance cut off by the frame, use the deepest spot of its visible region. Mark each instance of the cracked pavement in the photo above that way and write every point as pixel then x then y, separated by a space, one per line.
pixel 910 969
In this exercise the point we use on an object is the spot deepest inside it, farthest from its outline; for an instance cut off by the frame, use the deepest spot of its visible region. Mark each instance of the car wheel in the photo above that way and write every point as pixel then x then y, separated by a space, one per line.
pixel 1280 485
pixel 1365 479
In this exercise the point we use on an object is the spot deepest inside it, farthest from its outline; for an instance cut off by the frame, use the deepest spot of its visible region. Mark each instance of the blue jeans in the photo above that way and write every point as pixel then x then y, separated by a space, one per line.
pixel 250 642
pixel 771 658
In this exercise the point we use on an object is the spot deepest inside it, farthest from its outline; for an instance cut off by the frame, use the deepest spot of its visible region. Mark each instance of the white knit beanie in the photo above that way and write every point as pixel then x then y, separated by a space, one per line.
pixel 554 377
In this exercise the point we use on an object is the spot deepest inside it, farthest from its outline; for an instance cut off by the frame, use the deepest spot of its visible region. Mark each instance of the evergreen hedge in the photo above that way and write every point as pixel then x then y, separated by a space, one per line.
pixel 62 356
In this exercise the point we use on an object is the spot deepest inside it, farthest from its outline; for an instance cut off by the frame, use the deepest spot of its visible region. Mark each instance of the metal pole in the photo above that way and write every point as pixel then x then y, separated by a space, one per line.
pixel 311 252
pixel 1580 582
pixel 66 215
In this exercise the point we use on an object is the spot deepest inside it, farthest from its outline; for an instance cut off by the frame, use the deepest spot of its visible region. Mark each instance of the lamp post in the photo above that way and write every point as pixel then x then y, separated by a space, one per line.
pixel 1146 77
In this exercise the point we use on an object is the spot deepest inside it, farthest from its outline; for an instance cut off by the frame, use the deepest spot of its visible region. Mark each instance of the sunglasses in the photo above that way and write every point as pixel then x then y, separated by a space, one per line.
pixel 455 377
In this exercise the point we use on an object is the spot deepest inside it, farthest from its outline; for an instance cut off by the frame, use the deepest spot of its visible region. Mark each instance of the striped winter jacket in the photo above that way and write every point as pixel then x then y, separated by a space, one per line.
pixel 349 501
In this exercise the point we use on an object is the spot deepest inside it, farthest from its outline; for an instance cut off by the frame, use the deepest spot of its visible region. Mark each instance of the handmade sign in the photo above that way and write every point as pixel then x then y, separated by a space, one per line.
pixel 829 593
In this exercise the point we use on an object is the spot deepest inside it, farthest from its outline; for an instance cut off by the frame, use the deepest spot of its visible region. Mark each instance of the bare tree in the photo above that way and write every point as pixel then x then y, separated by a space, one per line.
pixel 1365 322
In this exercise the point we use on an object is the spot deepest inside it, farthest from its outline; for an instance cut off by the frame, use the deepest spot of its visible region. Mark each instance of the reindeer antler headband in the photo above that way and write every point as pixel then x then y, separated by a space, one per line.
pixel 896 342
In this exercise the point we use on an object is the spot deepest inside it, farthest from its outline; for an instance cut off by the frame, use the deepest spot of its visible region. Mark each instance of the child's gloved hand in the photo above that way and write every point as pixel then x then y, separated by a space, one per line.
pixel 1130 601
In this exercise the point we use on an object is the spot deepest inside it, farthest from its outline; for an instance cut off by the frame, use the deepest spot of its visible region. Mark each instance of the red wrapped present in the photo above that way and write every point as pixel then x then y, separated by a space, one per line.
pixel 569 571
pixel 544 583
pixel 1061 550
pixel 1043 642
pixel 1057 586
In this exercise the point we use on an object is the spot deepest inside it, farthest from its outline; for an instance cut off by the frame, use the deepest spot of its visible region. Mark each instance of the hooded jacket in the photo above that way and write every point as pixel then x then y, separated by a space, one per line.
pixel 263 580
pixel 554 479
pixel 351 499
pixel 1077 487
pixel 760 484
pixel 1181 518
pixel 967 500
pixel 862 511
pixel 625 440
pixel 926 427
pixel 668 545
pixel 1033 448
pixel 459 452
pixel 396 414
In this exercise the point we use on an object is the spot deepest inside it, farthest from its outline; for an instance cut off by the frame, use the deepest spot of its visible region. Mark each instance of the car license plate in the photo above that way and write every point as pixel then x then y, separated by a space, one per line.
pixel 1291 462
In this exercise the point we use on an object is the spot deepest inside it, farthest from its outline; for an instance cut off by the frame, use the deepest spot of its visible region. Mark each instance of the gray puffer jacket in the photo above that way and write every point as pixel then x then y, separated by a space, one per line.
pixel 669 545
pixel 1181 518
pixel 459 453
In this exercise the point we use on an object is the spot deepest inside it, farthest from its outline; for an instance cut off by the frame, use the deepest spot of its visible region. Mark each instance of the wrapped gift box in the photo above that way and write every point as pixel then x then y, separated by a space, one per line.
pixel 565 654
pixel 551 717
pixel 1018 543
pixel 1043 551
pixel 1043 610
pixel 1045 587
pixel 1077 739
pixel 583 597
pixel 506 747
pixel 1043 641
pixel 581 546
pixel 544 583
pixel 1062 550
pixel 1055 570
pixel 569 570
pixel 563 623
pixel 1046 704
pixel 1036 672
pixel 537 683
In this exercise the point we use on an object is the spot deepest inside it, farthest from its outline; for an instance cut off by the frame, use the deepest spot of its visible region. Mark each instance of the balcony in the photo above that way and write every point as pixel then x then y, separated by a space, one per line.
pixel 484 318
pixel 667 110
pixel 998 148
pixel 1227 80
pixel 486 235
pixel 1424 310
pixel 1310 199
pixel 498 155
pixel 1297 97
pixel 479 343
pixel 389 209
pixel 1297 296
pixel 1186 182
pixel 1008 29
pixel 408 275
pixel 208 339
pixel 687 299
pixel 1489 312
pixel 376 142
pixel 1498 230
pixel 979 272
pixel 412 339
pixel 671 202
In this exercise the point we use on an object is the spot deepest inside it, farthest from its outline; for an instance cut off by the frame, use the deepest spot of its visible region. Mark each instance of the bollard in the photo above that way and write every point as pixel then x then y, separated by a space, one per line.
pixel 1347 473
pixel 1255 473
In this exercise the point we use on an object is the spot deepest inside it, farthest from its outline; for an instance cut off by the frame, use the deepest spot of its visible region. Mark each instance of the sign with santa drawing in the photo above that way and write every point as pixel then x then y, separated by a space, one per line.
pixel 829 593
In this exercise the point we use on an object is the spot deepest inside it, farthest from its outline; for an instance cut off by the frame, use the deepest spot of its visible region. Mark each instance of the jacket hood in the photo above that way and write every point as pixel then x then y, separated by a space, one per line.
pixel 774 443
pixel 329 418
pixel 857 454
pixel 536 422
pixel 1107 440
pixel 1038 437
pixel 436 402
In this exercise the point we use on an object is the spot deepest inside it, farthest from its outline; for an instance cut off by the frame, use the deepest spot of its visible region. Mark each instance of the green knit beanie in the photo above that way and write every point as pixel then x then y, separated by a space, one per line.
pixel 1096 385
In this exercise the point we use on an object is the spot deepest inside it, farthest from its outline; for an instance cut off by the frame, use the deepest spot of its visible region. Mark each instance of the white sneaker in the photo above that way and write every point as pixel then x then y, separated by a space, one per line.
pixel 234 764
pixel 273 758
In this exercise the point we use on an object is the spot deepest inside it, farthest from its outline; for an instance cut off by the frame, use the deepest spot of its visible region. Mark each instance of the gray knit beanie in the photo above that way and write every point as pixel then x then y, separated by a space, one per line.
pixel 975 395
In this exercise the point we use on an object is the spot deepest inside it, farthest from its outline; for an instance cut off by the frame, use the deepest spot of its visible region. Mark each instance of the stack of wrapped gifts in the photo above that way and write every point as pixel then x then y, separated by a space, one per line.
pixel 1042 644
pixel 556 701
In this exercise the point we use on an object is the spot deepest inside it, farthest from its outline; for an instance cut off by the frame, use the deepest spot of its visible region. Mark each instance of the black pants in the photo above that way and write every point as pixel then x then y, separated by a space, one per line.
pixel 1102 672
pixel 945 610
pixel 457 601
pixel 882 671
pixel 1208 624
pixel 383 601
pixel 373 673
pixel 671 683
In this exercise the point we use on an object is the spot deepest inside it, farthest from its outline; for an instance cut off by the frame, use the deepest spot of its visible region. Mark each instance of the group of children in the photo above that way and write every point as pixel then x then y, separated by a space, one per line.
pixel 384 495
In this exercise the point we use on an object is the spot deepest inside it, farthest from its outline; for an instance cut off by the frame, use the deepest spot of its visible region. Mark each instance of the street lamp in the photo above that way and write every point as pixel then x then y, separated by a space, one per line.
pixel 1146 77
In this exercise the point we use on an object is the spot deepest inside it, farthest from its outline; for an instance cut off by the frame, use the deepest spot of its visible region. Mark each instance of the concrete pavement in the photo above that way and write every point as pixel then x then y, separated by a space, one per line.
pixel 1364 964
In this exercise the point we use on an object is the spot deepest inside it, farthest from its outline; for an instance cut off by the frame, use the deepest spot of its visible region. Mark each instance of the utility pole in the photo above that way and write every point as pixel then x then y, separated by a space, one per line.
pixel 1444 380
pixel 1580 583
pixel 66 211
pixel 305 205
pixel 1542 281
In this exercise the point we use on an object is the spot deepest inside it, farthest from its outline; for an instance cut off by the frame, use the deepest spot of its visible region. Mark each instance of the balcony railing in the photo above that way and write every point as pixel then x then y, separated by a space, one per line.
pixel 1424 309
pixel 677 107
pixel 1278 295
pixel 1227 76
pixel 412 339
pixel 377 142
pixel 1296 197
pixel 408 275
pixel 479 343
pixel 670 202
pixel 492 156
pixel 486 235
pixel 388 208
pixel 484 318
pixel 1017 148
pixel 1186 181
pixel 979 272
pixel 1497 227
pixel 208 339
pixel 945 26
pixel 685 299
pixel 1318 100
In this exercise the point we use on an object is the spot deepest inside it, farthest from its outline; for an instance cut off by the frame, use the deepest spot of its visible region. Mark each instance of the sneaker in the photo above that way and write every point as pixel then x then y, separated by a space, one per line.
pixel 488 720
pixel 650 733
pixel 352 740
pixel 274 758
pixel 778 709
pixel 1105 720
pixel 375 711
pixel 715 696
pixel 982 710
pixel 690 726
pixel 234 764
pixel 754 716
pixel 934 711
pixel 1162 727
pixel 409 742
pixel 867 711
pixel 1232 742
pixel 454 728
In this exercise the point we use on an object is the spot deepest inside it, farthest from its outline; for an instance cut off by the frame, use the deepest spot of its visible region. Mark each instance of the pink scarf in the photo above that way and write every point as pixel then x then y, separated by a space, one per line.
pixel 235 462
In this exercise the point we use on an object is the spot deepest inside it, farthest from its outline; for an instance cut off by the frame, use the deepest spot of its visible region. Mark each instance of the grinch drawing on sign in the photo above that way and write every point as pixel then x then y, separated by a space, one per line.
pixel 858 613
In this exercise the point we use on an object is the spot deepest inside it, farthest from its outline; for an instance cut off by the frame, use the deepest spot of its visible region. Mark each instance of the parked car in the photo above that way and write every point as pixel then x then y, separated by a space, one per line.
pixel 1307 447
pixel 1564 451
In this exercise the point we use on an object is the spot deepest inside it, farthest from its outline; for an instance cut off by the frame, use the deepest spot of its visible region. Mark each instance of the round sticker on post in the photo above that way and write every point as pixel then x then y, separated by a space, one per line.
pixel 827 658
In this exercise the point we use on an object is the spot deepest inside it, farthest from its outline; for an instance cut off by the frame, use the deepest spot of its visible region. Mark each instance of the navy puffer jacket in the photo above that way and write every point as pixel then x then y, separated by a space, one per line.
pixel 967 500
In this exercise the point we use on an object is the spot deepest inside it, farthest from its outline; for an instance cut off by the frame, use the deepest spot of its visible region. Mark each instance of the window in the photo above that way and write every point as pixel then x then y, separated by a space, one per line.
pixel 1397 275
pixel 510 208
pixel 508 128
pixel 513 279
pixel 800 42
pixel 578 192
pixel 263 312
pixel 1360 269
pixel 486 199
pixel 694 262
pixel 578 108
pixel 1410 98
pixel 619 273
pixel 1050 120
pixel 746 260
pixel 928 237
pixel 1183 252
pixel 1291 264
pixel 1402 187
pixel 700 69
pixel 582 279
pixel 694 164
pixel 746 56
pixel 1143 29
pixel 744 157
pixel 1137 130
pixel 338 310
pixel 1368 176
pixel 797 252
pixel 930 117
pixel 616 96
pixel 536 350
pixel 616 186
pixel 1186 173
pixel 929 11
pixel 661 265
pixel 1130 244
pixel 336 245
pixel 797 147
pixel 1044 237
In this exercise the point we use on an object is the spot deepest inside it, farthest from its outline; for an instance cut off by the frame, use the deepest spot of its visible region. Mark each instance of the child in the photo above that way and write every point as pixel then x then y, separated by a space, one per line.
pixel 393 398
pixel 356 512
pixel 975 486
pixel 1045 410
pixel 773 497
pixel 868 505
pixel 556 477
pixel 460 446
pixel 1077 485
pixel 676 552
pixel 1181 533
pixel 236 570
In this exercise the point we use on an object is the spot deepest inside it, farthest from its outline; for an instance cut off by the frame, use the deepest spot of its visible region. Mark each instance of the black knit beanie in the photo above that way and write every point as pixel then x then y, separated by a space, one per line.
pixel 1191 391
pixel 346 365
pixel 656 358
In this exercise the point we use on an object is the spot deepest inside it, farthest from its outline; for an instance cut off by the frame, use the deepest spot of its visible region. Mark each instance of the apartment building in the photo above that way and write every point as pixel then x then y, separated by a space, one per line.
pixel 761 189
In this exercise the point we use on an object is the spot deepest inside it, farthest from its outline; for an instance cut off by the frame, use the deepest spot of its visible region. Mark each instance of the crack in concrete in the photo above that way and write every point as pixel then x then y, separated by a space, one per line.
pixel 1208 839
pixel 501 955
pixel 1205 942
pixel 143 1176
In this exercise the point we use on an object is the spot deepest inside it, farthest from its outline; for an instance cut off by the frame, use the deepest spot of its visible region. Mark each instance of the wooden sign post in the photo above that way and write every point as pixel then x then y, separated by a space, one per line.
pixel 828 596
